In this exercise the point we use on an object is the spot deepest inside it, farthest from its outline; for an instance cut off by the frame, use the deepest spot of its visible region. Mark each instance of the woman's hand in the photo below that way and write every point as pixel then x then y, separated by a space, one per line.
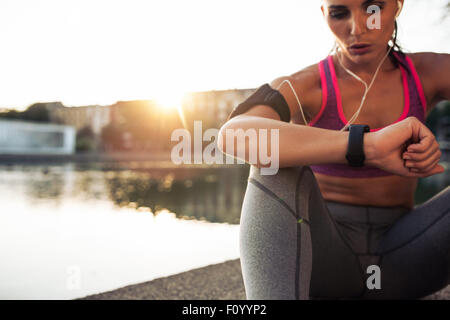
pixel 406 148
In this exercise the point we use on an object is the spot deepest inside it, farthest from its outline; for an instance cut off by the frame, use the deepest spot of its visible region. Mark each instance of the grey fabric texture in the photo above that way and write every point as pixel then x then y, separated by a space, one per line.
pixel 294 245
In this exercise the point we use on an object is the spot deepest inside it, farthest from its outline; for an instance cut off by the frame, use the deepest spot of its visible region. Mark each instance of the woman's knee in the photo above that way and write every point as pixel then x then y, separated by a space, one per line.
pixel 294 186
pixel 275 250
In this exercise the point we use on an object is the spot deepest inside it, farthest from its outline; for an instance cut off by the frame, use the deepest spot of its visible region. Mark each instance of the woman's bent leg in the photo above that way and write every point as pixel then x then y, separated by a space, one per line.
pixel 290 247
pixel 416 251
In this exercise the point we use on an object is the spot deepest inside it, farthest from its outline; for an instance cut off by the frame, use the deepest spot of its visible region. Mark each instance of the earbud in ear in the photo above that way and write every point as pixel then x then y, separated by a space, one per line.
pixel 399 4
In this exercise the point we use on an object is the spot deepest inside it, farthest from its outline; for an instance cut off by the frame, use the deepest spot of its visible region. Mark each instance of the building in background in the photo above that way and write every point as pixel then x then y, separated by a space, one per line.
pixel 146 126
pixel 213 107
pixel 94 116
pixel 22 137
pixel 143 125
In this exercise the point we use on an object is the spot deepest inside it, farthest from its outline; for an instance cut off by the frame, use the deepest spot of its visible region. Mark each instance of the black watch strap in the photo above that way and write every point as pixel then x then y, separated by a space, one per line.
pixel 355 152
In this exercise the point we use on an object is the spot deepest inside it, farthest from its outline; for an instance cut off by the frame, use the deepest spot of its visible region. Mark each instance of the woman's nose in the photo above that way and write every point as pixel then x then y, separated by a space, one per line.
pixel 358 24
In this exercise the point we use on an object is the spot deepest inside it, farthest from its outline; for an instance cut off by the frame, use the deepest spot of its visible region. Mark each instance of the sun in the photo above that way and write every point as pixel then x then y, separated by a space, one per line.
pixel 170 100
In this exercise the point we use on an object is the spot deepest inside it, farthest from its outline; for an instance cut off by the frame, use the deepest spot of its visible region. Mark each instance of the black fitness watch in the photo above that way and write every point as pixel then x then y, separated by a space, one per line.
pixel 355 152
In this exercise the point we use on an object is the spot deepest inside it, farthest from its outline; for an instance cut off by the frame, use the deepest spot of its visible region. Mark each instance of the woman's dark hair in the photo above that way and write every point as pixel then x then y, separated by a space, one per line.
pixel 396 47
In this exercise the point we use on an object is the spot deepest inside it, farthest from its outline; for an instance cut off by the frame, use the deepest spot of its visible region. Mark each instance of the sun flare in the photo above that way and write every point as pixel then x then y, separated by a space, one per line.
pixel 170 100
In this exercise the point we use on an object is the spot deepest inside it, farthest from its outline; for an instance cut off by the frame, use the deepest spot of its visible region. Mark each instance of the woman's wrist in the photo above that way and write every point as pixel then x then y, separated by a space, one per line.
pixel 369 149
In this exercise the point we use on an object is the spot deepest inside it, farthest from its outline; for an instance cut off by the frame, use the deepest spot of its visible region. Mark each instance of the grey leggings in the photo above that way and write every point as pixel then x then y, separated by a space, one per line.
pixel 295 245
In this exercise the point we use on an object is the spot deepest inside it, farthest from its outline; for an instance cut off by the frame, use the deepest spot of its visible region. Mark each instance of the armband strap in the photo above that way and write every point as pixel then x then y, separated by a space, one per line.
pixel 267 96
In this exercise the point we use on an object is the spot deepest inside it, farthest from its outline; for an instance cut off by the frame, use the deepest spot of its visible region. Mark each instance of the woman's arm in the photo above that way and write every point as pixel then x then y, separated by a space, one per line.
pixel 297 145
pixel 441 76
pixel 300 145
pixel 434 70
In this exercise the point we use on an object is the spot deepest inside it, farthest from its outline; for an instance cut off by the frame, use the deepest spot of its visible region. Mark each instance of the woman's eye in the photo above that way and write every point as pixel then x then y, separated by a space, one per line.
pixel 380 7
pixel 338 14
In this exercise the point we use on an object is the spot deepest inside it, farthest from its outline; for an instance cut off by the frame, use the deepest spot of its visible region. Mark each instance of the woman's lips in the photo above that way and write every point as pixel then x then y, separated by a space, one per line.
pixel 359 49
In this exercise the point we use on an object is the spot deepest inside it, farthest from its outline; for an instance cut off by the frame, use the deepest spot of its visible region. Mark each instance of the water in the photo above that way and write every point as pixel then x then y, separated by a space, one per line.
pixel 68 231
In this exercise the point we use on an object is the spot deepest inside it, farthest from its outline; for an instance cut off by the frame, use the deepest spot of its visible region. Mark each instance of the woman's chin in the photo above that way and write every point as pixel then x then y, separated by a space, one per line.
pixel 362 58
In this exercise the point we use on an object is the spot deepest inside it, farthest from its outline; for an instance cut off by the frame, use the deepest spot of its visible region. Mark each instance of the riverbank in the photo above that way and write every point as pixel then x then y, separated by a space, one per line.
pixel 133 159
pixel 221 281
pixel 84 157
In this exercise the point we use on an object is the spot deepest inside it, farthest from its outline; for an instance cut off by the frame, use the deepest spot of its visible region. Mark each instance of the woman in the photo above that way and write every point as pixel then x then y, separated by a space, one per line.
pixel 320 227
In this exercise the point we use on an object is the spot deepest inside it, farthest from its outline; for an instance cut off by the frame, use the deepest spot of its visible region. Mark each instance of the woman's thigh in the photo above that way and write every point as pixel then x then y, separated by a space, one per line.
pixel 290 245
pixel 326 255
pixel 415 252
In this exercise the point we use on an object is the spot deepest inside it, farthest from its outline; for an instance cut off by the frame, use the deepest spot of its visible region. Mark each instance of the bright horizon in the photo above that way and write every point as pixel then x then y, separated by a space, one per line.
pixel 99 52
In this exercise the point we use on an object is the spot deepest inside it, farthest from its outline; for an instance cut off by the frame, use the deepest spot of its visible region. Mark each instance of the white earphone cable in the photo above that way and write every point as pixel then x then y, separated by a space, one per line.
pixel 298 101
pixel 367 88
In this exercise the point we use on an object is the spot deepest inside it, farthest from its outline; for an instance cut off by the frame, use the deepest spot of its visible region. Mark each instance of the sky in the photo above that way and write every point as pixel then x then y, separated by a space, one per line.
pixel 83 52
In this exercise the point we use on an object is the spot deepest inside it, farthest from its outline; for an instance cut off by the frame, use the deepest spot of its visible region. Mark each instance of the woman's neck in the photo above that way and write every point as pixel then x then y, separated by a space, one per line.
pixel 367 70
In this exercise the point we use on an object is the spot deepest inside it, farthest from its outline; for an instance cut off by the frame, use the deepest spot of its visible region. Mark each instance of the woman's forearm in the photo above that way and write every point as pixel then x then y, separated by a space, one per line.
pixel 297 145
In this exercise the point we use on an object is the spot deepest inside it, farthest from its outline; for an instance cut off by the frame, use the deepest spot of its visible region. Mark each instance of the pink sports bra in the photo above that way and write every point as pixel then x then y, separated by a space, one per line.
pixel 332 117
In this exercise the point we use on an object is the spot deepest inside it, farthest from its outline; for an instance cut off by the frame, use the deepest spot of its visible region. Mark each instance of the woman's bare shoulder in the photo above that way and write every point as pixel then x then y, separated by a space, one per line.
pixel 432 68
pixel 427 63
pixel 305 78
pixel 306 84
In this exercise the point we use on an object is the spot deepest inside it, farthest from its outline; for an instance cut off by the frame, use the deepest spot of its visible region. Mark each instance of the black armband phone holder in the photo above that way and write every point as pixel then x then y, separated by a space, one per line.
pixel 267 96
